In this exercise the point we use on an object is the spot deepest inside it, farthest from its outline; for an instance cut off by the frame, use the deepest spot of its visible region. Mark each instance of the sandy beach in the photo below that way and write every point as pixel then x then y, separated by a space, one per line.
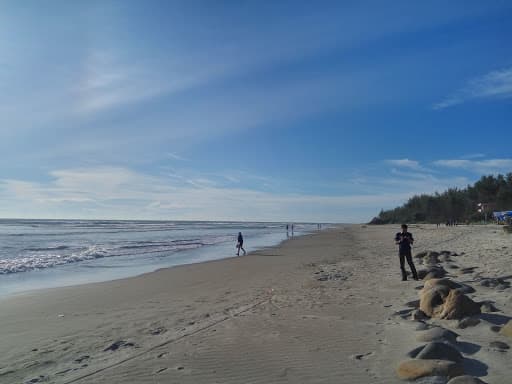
pixel 329 307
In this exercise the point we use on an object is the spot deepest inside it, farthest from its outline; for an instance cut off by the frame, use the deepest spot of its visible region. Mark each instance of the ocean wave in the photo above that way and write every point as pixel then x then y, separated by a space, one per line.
pixel 42 261
pixel 55 248
pixel 48 257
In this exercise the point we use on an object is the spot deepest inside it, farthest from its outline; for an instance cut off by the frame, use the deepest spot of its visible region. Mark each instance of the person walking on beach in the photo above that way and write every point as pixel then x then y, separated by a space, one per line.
pixel 240 243
pixel 404 240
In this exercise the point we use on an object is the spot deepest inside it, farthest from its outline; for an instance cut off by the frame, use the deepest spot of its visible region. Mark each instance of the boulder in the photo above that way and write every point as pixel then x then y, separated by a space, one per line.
pixel 413 304
pixel 465 379
pixel 437 334
pixel 468 322
pixel 487 306
pixel 428 257
pixel 422 326
pixel 418 315
pixel 416 368
pixel 433 272
pixel 437 350
pixel 507 329
pixel 421 255
pixel 432 283
pixel 431 380
pixel 431 299
pixel 495 283
pixel 457 306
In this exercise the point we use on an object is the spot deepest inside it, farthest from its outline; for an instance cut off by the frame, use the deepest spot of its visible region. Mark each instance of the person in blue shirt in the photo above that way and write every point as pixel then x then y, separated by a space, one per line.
pixel 404 240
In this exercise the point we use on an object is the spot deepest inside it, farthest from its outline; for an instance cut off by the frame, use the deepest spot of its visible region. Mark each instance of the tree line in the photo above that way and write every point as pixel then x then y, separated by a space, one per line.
pixel 460 205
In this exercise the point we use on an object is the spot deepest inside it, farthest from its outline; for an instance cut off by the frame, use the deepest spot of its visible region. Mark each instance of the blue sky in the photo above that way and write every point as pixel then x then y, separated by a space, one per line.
pixel 314 111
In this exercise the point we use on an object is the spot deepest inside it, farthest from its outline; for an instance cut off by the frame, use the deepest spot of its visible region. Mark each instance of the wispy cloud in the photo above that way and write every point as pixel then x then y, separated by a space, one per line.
pixel 405 163
pixel 478 166
pixel 495 84
pixel 113 192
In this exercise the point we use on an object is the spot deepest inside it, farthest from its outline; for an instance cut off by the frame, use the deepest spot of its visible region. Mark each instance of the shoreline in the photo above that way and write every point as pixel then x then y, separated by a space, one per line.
pixel 315 309
pixel 39 279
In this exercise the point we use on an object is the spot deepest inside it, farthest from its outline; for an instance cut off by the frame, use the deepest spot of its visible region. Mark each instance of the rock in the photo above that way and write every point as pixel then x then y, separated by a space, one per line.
pixel 468 322
pixel 431 299
pixel 431 380
pixel 507 329
pixel 412 354
pixel 457 306
pixel 115 346
pixel 495 328
pixel 418 315
pixel 437 334
pixel 416 368
pixel 421 255
pixel 436 282
pixel 433 272
pixel 431 258
pixel 499 345
pixel 413 304
pixel 487 306
pixel 496 283
pixel 422 326
pixel 437 350
pixel 465 379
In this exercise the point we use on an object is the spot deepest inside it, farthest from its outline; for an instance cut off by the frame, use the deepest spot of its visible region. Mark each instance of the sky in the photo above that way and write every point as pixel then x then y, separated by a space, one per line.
pixel 247 110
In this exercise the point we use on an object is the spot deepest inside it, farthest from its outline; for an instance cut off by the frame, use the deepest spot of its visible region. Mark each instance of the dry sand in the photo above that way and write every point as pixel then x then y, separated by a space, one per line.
pixel 322 308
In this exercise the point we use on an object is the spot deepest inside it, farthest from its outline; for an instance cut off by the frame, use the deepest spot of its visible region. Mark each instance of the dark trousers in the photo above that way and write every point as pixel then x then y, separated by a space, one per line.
pixel 407 255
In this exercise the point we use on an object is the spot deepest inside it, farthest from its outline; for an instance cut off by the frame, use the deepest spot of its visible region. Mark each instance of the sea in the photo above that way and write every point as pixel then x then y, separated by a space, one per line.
pixel 37 254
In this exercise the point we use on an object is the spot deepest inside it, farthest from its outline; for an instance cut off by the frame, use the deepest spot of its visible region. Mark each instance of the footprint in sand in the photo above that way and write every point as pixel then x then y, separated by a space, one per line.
pixel 362 356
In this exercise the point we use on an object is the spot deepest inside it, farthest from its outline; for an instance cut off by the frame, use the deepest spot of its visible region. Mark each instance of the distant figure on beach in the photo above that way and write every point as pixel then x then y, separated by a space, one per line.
pixel 292 230
pixel 404 240
pixel 240 244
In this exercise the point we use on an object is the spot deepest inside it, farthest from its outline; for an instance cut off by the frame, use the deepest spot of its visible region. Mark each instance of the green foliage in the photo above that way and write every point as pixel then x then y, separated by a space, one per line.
pixel 455 204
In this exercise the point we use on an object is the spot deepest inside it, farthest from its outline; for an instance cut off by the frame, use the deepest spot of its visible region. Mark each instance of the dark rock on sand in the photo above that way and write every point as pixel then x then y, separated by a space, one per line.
pixel 495 328
pixel 465 379
pixel 487 306
pixel 495 283
pixel 437 334
pixel 413 304
pixel 412 354
pixel 468 270
pixel 417 368
pixel 431 380
pixel 468 322
pixel 418 315
pixel 115 346
pixel 499 345
pixel 422 326
pixel 433 272
pixel 440 351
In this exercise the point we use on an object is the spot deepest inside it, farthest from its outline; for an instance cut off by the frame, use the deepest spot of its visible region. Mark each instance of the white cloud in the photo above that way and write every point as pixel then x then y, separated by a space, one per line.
pixel 495 84
pixel 478 166
pixel 406 163
pixel 111 192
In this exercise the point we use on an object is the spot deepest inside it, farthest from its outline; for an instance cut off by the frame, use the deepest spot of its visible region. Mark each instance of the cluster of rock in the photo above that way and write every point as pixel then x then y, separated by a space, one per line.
pixel 439 360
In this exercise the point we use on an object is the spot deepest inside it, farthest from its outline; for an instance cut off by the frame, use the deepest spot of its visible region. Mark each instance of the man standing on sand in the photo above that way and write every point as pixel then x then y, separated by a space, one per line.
pixel 404 240
pixel 239 245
